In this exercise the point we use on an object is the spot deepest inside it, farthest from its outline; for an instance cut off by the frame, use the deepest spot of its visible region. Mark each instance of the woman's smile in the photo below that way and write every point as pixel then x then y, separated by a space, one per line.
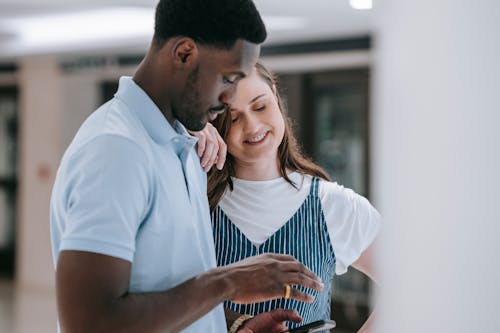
pixel 257 139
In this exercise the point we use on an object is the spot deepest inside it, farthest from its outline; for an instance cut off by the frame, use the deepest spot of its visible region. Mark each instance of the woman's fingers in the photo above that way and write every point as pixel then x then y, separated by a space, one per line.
pixel 221 156
pixel 211 149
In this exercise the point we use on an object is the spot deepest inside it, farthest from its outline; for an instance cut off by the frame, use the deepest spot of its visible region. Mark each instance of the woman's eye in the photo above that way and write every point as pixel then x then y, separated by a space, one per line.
pixel 234 119
pixel 260 107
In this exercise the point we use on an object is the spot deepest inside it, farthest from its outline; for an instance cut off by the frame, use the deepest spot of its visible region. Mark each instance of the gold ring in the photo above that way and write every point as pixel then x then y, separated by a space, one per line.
pixel 288 290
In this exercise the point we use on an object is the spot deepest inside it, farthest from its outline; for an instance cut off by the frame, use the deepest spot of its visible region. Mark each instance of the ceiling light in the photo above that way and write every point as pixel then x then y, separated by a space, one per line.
pixel 65 30
pixel 361 4
pixel 274 23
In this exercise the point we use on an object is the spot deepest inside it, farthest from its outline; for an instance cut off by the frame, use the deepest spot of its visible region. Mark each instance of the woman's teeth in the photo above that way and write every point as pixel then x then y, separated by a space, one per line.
pixel 257 138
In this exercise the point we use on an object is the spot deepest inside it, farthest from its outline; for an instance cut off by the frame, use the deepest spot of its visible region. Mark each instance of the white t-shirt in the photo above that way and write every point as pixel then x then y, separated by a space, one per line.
pixel 260 208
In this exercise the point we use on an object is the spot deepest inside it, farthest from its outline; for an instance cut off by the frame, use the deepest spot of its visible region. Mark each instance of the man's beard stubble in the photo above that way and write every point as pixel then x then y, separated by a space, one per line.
pixel 190 112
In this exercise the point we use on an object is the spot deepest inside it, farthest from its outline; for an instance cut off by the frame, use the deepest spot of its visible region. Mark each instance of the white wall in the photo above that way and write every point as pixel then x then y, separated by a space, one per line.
pixel 436 163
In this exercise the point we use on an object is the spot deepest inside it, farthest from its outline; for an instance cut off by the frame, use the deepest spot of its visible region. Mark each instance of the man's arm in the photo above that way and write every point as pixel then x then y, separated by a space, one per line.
pixel 92 292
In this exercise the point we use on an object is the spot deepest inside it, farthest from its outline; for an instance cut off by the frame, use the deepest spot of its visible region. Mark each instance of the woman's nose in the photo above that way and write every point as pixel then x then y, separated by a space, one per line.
pixel 251 123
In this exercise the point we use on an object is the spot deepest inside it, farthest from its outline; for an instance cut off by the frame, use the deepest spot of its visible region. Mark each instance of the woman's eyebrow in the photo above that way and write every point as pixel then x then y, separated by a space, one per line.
pixel 253 100
pixel 256 98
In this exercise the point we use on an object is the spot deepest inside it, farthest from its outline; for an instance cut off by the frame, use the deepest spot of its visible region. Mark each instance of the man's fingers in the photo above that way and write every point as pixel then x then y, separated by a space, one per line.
pixel 305 281
pixel 301 296
pixel 280 257
pixel 279 271
pixel 300 270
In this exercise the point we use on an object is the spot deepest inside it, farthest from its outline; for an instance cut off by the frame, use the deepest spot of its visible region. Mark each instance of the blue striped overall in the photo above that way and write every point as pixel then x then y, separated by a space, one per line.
pixel 304 236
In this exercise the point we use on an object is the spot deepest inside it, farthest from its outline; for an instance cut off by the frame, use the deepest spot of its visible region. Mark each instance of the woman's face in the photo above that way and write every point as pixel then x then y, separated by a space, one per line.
pixel 257 126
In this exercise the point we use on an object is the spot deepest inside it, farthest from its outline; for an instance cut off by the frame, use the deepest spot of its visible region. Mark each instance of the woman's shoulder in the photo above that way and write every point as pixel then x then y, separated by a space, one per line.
pixel 325 187
pixel 332 192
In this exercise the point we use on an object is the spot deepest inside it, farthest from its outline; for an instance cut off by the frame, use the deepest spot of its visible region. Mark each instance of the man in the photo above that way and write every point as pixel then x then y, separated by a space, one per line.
pixel 130 225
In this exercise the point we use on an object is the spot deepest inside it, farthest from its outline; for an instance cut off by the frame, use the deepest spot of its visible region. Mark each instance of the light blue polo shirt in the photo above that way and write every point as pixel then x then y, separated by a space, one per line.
pixel 131 186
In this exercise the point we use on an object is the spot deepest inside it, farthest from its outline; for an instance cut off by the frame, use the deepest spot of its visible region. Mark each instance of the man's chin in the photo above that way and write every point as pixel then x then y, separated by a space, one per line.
pixel 195 126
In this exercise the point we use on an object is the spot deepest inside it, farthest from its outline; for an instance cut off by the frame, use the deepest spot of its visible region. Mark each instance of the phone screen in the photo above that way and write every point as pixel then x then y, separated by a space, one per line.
pixel 315 326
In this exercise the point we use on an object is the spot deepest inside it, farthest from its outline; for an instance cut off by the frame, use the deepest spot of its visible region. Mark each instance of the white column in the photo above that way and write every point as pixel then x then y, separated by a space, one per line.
pixel 41 96
pixel 53 106
pixel 41 117
pixel 436 164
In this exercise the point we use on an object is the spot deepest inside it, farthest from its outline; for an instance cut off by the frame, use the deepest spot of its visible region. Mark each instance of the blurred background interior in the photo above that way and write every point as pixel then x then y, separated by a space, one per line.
pixel 60 60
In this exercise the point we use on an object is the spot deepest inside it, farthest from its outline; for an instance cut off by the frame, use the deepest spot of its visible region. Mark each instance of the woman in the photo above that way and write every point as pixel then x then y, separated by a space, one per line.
pixel 269 198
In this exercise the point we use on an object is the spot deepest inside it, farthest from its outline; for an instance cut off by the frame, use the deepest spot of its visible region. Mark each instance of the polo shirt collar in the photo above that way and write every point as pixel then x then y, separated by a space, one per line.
pixel 150 115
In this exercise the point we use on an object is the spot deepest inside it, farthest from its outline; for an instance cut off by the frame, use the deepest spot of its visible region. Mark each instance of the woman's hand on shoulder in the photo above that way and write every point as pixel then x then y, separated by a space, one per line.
pixel 211 147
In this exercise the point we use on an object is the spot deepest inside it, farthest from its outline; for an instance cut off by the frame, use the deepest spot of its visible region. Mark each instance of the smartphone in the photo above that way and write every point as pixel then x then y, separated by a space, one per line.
pixel 315 326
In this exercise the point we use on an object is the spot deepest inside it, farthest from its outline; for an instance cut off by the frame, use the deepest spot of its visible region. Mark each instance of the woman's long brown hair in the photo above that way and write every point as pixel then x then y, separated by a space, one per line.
pixel 289 154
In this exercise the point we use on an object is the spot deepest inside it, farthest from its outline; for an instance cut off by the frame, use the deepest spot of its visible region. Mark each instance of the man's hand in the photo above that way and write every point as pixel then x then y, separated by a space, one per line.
pixel 211 148
pixel 264 277
pixel 270 322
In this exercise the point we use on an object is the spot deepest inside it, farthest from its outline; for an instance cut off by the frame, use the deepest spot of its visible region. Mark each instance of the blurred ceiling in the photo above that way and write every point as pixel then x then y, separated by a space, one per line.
pixel 29 27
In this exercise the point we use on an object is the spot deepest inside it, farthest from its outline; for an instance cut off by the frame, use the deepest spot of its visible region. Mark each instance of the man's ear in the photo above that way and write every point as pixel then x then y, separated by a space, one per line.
pixel 185 52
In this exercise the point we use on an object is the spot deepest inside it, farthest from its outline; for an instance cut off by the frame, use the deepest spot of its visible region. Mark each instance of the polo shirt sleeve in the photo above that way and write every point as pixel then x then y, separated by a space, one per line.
pixel 352 222
pixel 106 197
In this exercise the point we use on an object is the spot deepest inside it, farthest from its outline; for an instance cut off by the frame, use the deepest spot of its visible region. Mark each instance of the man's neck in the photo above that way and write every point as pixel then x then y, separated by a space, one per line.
pixel 146 77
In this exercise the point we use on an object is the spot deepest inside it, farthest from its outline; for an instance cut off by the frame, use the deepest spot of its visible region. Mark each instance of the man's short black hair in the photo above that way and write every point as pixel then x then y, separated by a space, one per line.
pixel 211 22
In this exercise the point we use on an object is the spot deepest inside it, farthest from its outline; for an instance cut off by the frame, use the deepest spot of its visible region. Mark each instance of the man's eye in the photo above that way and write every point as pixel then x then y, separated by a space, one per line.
pixel 227 80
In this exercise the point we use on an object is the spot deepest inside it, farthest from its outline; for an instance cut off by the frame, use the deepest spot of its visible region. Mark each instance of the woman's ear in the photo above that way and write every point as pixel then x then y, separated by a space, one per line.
pixel 185 52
